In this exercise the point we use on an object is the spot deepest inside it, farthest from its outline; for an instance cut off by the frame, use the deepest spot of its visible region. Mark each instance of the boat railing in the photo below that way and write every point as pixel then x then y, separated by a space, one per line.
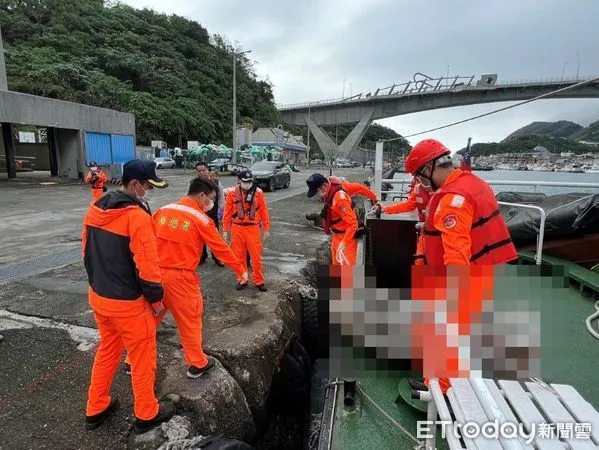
pixel 536 184
pixel 541 233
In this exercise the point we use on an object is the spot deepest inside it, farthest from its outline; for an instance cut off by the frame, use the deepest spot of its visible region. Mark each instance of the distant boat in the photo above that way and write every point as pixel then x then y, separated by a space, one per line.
pixel 485 167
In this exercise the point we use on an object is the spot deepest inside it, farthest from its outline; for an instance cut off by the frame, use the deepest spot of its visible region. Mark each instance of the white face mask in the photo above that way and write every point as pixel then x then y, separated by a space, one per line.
pixel 209 206
pixel 246 185
pixel 145 198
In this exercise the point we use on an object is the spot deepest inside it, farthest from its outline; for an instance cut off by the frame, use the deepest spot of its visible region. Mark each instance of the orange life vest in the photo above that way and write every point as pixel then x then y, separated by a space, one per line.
pixel 335 186
pixel 241 211
pixel 490 239
pixel 422 199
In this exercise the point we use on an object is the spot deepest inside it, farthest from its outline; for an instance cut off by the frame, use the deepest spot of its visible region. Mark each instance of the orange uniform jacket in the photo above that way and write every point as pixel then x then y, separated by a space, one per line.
pixel 354 189
pixel 99 183
pixel 229 214
pixel 120 256
pixel 182 229
pixel 343 216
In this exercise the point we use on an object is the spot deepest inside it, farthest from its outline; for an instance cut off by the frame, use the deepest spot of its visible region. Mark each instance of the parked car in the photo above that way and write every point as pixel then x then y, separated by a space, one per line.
pixel 271 175
pixel 164 163
pixel 219 164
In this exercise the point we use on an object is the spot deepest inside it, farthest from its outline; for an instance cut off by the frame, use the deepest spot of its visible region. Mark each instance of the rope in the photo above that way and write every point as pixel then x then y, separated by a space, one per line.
pixel 592 317
pixel 567 88
pixel 391 419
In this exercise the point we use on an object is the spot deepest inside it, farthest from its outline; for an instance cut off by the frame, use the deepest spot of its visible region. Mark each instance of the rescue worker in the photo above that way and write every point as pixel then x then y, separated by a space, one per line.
pixel 340 215
pixel 183 229
pixel 463 226
pixel 417 199
pixel 216 213
pixel 125 293
pixel 246 212
pixel 96 178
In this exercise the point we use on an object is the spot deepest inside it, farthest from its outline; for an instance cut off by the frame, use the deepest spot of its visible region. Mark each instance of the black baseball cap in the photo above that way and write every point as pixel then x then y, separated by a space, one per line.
pixel 92 164
pixel 137 169
pixel 314 182
pixel 245 175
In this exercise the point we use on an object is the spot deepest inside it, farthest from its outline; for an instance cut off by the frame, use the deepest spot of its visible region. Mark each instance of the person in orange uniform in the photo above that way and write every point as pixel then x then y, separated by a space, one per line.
pixel 340 216
pixel 125 293
pixel 463 226
pixel 417 199
pixel 182 231
pixel 96 178
pixel 246 212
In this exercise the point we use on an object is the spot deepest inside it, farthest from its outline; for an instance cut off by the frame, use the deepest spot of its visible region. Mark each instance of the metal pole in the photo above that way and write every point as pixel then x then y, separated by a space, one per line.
pixel 308 162
pixel 378 169
pixel 3 80
pixel 234 108
pixel 577 65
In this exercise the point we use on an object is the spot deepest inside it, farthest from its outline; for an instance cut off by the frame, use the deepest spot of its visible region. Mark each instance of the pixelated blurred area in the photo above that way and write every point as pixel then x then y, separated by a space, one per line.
pixel 467 321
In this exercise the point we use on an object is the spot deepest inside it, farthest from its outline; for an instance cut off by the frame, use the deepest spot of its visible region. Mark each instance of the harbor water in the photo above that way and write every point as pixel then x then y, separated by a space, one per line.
pixel 528 176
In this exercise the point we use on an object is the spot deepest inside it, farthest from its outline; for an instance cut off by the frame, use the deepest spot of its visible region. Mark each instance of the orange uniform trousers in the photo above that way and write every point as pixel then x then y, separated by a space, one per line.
pixel 97 194
pixel 183 298
pixel 136 334
pixel 420 249
pixel 247 239
pixel 476 284
pixel 350 251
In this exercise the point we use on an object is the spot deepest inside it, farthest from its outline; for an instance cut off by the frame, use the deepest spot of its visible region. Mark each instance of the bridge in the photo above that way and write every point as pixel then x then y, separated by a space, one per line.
pixel 423 93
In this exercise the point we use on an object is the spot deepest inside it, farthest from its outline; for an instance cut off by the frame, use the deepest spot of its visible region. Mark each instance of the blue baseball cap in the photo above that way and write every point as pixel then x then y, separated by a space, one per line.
pixel 314 182
pixel 137 169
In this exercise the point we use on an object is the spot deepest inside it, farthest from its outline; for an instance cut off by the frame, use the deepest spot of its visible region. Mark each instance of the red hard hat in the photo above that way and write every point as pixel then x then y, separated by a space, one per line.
pixel 424 152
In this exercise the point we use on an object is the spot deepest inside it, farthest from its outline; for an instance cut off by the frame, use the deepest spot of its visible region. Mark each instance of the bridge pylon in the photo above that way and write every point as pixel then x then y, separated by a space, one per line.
pixel 349 144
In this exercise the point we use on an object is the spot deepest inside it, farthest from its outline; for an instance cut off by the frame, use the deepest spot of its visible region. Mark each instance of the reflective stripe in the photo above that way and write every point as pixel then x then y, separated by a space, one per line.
pixel 198 215
pixel 457 201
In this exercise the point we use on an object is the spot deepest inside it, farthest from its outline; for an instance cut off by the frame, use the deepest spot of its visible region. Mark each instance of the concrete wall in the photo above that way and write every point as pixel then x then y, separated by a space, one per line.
pixel 71 158
pixel 41 152
pixel 16 107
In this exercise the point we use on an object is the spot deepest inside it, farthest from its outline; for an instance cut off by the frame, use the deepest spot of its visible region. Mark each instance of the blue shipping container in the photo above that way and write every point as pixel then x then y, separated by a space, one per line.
pixel 123 148
pixel 97 148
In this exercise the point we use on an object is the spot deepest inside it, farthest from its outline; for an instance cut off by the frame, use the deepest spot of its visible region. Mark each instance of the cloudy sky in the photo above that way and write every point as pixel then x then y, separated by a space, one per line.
pixel 323 49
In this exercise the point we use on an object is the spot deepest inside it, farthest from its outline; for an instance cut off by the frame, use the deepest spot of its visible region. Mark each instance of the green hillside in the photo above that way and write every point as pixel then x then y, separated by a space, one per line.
pixel 562 128
pixel 175 77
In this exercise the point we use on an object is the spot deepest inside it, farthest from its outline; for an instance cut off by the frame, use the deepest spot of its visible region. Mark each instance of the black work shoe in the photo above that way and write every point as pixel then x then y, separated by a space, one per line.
pixel 417 384
pixel 93 422
pixel 262 287
pixel 241 286
pixel 196 372
pixel 127 368
pixel 165 413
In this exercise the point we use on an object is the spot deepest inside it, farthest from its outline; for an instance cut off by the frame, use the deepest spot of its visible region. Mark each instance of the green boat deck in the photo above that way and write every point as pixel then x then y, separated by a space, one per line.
pixel 569 355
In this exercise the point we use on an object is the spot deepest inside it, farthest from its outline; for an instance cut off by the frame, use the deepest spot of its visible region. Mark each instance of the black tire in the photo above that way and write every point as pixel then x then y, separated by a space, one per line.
pixel 310 321
pixel 271 185
pixel 287 183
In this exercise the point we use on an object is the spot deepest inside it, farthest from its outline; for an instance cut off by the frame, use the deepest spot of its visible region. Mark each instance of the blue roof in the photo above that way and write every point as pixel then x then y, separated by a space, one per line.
pixel 286 146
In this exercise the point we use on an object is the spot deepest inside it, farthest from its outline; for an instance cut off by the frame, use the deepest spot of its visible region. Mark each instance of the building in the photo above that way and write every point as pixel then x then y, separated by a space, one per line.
pixel 74 135
pixel 292 147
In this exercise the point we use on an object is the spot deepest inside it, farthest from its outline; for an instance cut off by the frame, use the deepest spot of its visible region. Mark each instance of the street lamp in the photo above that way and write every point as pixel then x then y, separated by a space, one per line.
pixel 235 54
pixel 577 65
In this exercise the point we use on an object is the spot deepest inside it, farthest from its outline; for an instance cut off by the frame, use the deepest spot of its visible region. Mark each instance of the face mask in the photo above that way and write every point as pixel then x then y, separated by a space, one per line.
pixel 145 197
pixel 246 186
pixel 209 206
pixel 94 169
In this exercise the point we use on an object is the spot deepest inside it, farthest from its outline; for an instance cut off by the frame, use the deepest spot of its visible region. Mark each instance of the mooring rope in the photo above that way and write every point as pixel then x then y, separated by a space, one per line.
pixel 391 419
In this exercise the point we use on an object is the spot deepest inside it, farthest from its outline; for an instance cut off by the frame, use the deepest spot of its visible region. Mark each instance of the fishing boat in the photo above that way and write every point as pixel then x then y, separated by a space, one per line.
pixel 377 409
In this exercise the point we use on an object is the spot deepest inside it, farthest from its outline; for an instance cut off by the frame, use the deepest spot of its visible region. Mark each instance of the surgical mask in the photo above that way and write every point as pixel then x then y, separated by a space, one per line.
pixel 246 185
pixel 145 198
